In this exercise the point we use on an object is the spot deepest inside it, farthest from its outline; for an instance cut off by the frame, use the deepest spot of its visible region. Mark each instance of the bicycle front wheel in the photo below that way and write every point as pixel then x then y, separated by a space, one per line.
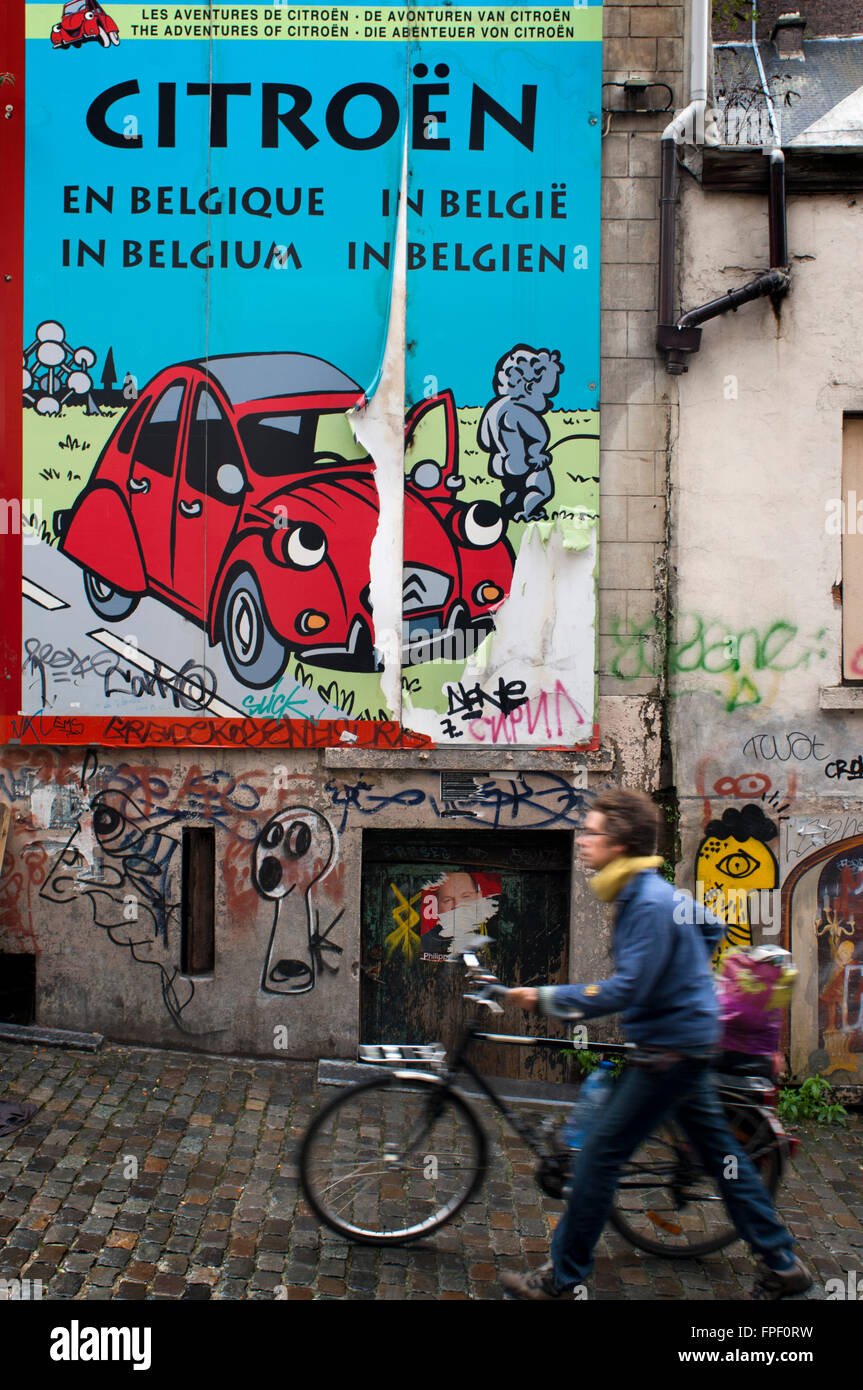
pixel 391 1160
pixel 665 1202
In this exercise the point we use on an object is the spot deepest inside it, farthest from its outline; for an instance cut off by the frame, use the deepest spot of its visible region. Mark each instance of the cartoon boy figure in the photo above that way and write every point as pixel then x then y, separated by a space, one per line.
pixel 513 433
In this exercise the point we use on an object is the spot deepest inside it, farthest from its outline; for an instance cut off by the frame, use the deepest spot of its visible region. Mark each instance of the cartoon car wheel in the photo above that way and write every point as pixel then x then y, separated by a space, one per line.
pixel 252 650
pixel 104 38
pixel 107 601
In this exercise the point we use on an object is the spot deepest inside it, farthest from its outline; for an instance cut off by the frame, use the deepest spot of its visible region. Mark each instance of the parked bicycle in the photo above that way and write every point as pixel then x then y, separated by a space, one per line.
pixel 396 1157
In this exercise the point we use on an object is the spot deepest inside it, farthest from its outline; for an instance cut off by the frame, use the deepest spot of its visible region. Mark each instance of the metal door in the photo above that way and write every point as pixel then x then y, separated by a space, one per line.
pixel 422 894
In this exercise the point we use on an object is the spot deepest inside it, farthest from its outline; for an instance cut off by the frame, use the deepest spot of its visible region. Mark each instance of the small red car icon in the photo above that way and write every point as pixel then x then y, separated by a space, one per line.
pixel 235 491
pixel 83 20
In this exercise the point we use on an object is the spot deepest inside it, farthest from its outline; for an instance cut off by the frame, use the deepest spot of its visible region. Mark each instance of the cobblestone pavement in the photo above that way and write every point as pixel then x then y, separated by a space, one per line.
pixel 164 1175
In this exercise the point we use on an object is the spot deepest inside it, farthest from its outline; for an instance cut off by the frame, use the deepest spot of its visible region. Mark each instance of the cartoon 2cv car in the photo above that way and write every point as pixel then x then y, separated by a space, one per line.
pixel 235 491
pixel 81 22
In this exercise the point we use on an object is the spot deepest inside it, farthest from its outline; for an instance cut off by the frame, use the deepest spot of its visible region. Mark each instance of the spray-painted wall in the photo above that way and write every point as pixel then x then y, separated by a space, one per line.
pixel 91 881
pixel 764 734
pixel 91 875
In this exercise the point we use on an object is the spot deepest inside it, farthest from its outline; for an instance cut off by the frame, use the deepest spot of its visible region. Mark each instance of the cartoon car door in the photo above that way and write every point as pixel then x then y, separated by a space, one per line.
pixel 212 483
pixel 152 481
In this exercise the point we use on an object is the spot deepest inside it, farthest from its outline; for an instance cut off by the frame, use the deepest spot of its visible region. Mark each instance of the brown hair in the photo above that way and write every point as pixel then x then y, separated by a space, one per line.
pixel 631 819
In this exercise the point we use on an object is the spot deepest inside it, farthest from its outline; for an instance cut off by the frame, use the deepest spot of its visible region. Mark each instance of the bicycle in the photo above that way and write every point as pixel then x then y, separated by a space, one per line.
pixel 394 1158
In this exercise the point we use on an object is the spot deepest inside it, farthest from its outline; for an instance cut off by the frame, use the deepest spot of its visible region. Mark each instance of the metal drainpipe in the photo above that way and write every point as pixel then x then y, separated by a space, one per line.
pixel 678 339
pixel 691 119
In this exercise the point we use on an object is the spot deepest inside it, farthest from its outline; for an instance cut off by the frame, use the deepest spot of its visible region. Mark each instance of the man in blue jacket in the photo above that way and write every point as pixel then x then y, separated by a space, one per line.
pixel 663 987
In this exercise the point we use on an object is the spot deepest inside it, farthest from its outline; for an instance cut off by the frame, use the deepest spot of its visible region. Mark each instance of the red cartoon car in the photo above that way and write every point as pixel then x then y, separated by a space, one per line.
pixel 83 20
pixel 235 491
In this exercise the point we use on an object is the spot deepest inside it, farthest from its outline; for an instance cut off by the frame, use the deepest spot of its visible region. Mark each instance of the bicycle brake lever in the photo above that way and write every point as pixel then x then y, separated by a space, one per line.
pixel 489 1003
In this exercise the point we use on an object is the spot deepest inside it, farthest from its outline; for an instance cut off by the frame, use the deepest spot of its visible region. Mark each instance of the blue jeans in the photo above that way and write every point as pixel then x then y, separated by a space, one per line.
pixel 639 1101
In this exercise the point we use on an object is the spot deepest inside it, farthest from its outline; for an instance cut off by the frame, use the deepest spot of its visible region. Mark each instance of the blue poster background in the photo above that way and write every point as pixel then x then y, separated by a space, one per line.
pixel 152 315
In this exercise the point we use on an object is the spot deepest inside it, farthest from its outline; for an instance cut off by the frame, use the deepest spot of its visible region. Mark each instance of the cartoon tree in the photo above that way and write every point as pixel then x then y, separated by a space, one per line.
pixel 109 372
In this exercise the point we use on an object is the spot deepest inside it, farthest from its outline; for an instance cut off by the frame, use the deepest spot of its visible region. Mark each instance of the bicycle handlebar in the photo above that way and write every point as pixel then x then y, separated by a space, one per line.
pixel 486 986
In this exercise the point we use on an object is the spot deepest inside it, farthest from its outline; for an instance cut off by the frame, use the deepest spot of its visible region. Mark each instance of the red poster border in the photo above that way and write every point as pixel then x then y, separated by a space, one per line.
pixel 108 730
pixel 12 24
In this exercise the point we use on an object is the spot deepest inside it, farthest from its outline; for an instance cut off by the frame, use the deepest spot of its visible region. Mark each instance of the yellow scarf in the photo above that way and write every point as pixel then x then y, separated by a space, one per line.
pixel 607 882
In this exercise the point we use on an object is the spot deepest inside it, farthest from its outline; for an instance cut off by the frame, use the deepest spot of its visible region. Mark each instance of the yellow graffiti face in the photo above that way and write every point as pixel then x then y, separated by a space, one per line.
pixel 728 870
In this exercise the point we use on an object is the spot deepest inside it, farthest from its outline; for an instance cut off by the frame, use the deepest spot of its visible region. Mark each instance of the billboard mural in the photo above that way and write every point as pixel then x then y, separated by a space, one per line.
pixel 211 203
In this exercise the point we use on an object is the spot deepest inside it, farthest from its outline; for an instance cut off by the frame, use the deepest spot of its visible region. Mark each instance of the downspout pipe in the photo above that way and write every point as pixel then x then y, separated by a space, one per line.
pixel 681 337
pixel 688 121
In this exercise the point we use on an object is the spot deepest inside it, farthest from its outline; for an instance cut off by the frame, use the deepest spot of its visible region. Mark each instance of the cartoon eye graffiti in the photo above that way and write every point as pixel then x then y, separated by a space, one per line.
pixel 738 865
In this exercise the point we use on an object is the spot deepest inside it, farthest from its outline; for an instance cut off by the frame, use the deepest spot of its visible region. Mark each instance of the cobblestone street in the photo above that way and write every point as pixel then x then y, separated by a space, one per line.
pixel 160 1175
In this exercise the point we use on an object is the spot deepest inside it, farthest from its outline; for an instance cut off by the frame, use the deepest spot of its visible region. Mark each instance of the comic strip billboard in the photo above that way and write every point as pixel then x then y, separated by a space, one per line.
pixel 211 268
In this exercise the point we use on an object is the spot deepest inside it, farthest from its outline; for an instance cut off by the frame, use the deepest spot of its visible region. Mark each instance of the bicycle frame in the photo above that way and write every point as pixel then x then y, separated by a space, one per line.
pixel 461 1063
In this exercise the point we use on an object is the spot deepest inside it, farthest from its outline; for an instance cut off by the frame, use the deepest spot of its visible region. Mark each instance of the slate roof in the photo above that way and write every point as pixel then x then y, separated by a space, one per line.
pixel 826 87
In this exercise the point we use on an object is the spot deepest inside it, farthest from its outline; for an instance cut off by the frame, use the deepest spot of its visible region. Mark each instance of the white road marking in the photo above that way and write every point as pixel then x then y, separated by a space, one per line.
pixel 154 667
pixel 37 594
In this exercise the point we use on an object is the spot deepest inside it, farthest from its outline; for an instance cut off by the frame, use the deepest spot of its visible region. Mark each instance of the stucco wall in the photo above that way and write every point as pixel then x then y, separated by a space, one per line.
pixel 95 889
pixel 757 632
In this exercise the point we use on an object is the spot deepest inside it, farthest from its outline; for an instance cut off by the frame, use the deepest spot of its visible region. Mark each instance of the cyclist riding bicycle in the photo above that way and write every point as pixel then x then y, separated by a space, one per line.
pixel 663 987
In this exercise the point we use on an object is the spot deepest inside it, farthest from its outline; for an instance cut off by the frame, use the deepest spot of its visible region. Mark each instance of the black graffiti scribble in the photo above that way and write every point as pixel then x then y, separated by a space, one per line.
pixel 63 665
pixel 192 688
pixel 558 803
pixel 367 802
pixel 555 803
pixel 320 943
pixel 469 703
pixel 129 887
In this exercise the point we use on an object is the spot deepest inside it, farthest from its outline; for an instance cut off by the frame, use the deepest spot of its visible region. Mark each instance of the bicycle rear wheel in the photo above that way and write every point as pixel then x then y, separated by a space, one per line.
pixel 391 1160
pixel 665 1202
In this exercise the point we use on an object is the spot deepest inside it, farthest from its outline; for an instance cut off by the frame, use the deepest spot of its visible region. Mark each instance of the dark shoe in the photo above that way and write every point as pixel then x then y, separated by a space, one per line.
pixel 539 1283
pixel 772 1284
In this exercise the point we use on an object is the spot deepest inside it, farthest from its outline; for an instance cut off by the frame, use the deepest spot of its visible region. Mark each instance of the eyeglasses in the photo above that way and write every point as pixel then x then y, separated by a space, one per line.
pixel 594 834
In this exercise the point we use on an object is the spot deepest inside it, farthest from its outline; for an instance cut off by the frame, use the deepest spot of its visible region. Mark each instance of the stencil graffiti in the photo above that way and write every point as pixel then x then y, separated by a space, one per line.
pixel 456 909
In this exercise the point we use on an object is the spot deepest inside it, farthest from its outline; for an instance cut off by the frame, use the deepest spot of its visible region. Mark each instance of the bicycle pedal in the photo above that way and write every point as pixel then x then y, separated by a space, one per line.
pixel 403 1054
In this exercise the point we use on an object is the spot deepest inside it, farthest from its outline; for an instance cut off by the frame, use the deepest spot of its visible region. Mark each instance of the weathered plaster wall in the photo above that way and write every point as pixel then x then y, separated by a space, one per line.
pixel 92 881
pixel 757 630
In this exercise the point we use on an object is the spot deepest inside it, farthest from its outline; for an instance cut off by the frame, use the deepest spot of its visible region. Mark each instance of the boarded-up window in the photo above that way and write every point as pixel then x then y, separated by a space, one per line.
pixel 852 549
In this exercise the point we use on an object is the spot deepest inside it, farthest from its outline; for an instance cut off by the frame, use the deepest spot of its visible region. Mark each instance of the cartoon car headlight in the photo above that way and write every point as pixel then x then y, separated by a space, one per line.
pixel 480 525
pixel 301 547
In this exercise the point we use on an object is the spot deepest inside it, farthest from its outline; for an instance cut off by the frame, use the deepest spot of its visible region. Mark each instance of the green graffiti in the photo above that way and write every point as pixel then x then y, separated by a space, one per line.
pixel 633 657
pixel 711 647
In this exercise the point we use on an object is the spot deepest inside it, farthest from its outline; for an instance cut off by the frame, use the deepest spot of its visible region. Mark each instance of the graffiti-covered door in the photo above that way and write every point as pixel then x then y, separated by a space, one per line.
pixel 425 899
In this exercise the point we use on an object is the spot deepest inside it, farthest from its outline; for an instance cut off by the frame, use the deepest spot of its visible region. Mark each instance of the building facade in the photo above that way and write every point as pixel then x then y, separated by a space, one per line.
pixel 209 849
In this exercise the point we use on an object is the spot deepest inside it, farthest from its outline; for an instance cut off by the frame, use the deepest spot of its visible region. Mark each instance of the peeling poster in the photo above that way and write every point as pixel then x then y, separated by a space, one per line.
pixel 198 328
pixel 211 198
pixel 503 377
